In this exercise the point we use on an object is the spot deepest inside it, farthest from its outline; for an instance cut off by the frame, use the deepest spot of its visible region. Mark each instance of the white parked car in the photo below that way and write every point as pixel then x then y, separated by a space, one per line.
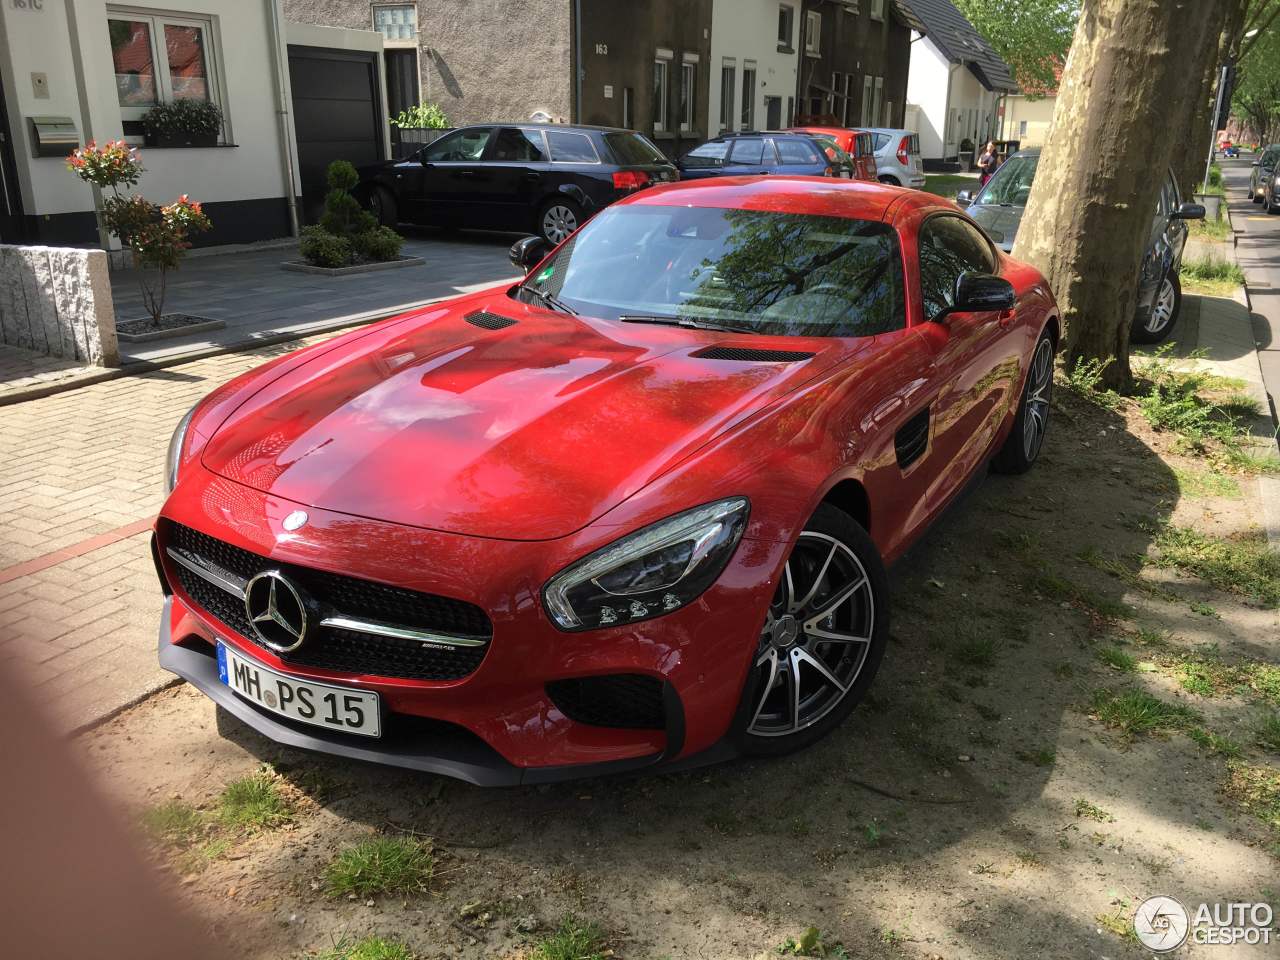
pixel 898 157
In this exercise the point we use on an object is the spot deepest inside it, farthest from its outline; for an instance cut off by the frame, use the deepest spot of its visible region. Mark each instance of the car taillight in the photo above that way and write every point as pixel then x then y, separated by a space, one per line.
pixel 904 156
pixel 630 179
pixel 829 172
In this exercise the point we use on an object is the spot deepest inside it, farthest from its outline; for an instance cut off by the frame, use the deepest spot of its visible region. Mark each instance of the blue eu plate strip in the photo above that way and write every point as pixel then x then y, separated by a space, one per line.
pixel 222 664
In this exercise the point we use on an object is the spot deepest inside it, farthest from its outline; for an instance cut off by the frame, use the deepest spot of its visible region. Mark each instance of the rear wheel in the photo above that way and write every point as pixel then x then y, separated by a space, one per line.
pixel 1031 422
pixel 383 206
pixel 557 218
pixel 891 181
pixel 1164 312
pixel 823 638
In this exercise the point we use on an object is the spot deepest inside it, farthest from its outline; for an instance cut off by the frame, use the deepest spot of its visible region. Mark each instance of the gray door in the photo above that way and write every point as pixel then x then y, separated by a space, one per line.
pixel 11 225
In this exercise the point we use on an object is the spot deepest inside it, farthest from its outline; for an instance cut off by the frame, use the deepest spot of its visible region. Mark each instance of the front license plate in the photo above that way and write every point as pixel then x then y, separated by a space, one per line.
pixel 337 708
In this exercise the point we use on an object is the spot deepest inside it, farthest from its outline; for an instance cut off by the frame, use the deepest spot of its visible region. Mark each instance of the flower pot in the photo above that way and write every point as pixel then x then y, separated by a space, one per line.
pixel 181 139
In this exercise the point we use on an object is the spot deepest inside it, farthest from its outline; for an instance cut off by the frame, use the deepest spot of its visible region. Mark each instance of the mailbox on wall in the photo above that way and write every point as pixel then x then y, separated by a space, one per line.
pixel 53 136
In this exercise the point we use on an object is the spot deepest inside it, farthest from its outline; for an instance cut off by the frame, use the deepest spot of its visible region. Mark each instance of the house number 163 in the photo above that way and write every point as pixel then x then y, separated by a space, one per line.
pixel 28 4
pixel 601 48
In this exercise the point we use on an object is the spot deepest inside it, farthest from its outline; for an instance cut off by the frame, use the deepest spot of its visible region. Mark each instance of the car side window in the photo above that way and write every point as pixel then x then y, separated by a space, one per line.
pixel 519 146
pixel 569 147
pixel 461 145
pixel 747 150
pixel 949 247
pixel 794 151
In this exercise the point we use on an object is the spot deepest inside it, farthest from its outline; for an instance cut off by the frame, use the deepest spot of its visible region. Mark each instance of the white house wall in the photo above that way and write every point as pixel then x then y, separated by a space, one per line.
pixel 748 30
pixel 927 83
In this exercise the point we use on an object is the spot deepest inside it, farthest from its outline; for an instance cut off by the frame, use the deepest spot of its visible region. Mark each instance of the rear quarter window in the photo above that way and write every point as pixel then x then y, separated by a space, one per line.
pixel 795 151
pixel 633 149
pixel 569 147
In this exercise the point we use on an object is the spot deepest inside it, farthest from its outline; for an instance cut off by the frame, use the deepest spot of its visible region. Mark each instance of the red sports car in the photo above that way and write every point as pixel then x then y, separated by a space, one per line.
pixel 858 144
pixel 632 511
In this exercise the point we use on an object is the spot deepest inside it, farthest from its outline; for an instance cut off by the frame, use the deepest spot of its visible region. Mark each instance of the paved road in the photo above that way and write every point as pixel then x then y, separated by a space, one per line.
pixel 1258 251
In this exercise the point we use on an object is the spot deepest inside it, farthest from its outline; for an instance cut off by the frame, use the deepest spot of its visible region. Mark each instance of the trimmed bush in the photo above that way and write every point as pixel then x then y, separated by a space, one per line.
pixel 380 243
pixel 324 249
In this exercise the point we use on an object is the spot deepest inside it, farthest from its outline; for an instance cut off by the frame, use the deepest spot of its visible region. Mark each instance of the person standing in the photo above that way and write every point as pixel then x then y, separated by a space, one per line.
pixel 987 163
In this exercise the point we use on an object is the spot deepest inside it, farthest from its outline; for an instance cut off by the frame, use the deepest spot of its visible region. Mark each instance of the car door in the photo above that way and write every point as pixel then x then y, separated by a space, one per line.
pixel 517 177
pixel 804 157
pixel 1157 258
pixel 1176 229
pixel 454 176
pixel 978 354
pixel 750 156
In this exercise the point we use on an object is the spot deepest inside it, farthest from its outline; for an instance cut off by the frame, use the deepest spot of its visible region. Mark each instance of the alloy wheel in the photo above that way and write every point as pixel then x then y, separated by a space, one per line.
pixel 1039 389
pixel 1162 310
pixel 816 637
pixel 558 222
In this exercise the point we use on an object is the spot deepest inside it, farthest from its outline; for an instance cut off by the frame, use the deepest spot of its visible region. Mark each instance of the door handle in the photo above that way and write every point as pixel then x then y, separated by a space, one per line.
pixel 531 177
pixel 466 173
pixel 1006 317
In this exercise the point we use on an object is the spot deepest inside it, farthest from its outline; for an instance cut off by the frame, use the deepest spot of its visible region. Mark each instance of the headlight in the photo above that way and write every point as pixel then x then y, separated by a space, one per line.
pixel 174 458
pixel 650 572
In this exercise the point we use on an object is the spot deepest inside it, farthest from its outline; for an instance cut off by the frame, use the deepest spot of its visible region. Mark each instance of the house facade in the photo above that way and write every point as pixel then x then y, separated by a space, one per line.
pixel 90 70
pixel 1028 119
pixel 754 64
pixel 854 59
pixel 957 84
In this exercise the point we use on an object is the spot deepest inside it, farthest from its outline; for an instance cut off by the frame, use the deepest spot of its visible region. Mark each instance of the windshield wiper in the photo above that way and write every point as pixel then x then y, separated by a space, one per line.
pixel 688 322
pixel 551 300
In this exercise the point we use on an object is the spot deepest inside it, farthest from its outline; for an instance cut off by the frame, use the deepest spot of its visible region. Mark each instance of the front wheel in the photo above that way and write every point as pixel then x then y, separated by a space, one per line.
pixel 823 637
pixel 1031 422
pixel 558 218
pixel 383 206
pixel 1164 312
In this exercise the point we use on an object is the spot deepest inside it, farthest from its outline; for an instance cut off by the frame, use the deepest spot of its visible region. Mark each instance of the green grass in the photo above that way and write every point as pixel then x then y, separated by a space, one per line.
pixel 976 651
pixel 949 184
pixel 392 865
pixel 174 824
pixel 1214 743
pixel 1044 757
pixel 1256 789
pixel 1084 379
pixel 1243 565
pixel 254 803
pixel 1117 659
pixel 1091 811
pixel 1214 231
pixel 370 948
pixel 1268 732
pixel 1199 484
pixel 1211 275
pixel 1134 712
pixel 572 940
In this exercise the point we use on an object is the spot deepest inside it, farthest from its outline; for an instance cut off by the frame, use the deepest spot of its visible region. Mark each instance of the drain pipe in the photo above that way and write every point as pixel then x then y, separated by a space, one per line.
pixel 577 60
pixel 279 54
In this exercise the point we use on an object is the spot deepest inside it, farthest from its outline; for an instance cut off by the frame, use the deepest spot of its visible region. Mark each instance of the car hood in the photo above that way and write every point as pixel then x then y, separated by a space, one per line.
pixel 1000 222
pixel 528 432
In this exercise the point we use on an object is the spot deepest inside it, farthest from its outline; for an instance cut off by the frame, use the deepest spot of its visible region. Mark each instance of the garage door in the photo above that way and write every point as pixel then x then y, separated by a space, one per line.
pixel 336 114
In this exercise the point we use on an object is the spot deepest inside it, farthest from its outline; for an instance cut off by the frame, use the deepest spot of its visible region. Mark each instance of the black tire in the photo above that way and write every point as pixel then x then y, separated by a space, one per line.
pixel 382 204
pixel 1164 312
pixel 833 554
pixel 891 181
pixel 557 218
pixel 1031 421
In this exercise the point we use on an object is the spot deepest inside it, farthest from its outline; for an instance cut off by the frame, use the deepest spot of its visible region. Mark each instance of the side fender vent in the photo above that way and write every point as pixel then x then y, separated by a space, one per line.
pixel 752 355
pixel 489 321
pixel 912 439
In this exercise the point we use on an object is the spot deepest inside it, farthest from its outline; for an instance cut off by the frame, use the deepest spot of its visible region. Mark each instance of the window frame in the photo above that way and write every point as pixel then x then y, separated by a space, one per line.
pixel 728 91
pixel 411 44
pixel 747 111
pixel 551 154
pixel 688 92
pixel 661 89
pixel 485 152
pixel 877 9
pixel 813 34
pixel 993 256
pixel 787 15
pixel 211 48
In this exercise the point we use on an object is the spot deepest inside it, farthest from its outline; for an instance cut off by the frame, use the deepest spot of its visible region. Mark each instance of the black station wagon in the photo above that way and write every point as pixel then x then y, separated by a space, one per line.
pixel 538 178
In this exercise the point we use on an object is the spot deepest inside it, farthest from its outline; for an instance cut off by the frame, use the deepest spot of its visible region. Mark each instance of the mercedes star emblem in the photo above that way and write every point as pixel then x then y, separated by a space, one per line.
pixel 277 611
pixel 295 521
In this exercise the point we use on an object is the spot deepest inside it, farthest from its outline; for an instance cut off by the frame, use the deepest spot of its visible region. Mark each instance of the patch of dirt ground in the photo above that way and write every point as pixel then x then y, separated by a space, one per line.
pixel 976 806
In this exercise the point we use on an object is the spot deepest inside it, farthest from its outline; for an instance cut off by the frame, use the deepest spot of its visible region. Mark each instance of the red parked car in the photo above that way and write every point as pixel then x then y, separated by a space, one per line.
pixel 856 143
pixel 634 510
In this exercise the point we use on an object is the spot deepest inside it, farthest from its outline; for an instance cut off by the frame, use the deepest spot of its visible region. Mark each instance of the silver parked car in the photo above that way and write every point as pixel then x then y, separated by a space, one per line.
pixel 1264 168
pixel 898 157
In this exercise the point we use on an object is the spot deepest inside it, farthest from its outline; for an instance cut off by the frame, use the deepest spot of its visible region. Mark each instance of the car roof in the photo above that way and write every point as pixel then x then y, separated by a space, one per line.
pixel 731 134
pixel 572 127
pixel 854 199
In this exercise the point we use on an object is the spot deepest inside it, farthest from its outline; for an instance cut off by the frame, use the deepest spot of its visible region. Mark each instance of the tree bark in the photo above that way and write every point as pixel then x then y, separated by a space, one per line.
pixel 1089 215
pixel 1219 37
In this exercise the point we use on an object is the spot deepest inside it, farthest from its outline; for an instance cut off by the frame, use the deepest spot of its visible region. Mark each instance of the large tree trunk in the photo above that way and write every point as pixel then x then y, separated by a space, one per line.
pixel 1219 37
pixel 1089 215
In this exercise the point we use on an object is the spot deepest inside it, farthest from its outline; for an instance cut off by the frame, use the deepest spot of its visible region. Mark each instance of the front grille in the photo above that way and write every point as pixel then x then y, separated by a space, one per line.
pixel 629 700
pixel 332 648
pixel 752 355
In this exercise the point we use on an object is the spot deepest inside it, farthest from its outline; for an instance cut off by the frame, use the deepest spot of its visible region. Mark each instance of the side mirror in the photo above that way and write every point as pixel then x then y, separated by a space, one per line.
pixel 1255 163
pixel 964 198
pixel 981 293
pixel 528 252
pixel 1189 211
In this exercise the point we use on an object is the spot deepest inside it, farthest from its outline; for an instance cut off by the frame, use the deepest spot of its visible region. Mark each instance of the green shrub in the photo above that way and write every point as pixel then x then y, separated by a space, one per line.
pixel 380 243
pixel 427 116
pixel 324 249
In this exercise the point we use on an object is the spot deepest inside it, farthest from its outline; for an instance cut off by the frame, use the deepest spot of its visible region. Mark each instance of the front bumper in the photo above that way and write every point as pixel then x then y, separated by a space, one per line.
pixel 498 725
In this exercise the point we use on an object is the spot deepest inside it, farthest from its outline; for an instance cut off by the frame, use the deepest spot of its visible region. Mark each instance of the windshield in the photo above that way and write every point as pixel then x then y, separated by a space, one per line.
pixel 633 149
pixel 1011 184
pixel 757 271
pixel 710 154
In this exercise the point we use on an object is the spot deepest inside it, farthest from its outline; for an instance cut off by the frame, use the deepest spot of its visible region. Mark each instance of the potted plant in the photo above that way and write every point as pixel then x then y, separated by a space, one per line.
pixel 423 123
pixel 967 147
pixel 183 123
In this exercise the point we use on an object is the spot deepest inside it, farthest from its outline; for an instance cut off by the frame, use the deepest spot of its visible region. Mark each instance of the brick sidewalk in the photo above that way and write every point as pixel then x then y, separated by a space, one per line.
pixel 80 479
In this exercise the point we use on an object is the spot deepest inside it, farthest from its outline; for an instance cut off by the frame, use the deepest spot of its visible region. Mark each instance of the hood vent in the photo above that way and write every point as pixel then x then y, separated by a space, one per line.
pixel 489 321
pixel 752 355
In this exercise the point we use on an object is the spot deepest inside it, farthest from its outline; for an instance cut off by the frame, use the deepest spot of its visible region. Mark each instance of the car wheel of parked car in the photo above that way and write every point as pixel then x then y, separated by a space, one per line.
pixel 1031 422
pixel 891 181
pixel 1253 195
pixel 558 218
pixel 1164 312
pixel 383 206
pixel 823 638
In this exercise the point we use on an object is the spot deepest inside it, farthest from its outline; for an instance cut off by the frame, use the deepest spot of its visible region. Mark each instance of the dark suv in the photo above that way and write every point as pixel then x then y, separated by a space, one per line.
pixel 756 153
pixel 999 206
pixel 541 178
